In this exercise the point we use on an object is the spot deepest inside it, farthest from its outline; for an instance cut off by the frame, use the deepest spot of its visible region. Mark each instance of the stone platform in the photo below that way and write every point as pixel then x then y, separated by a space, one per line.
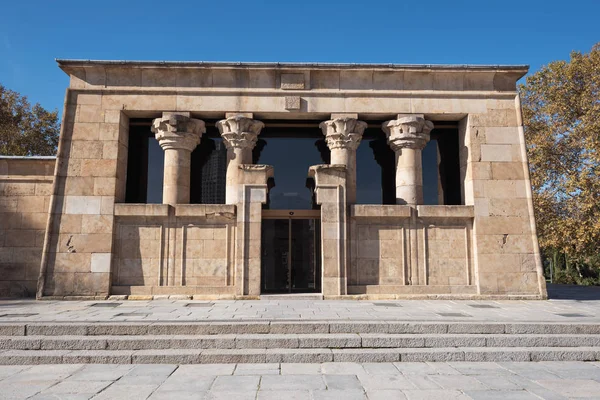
pixel 292 331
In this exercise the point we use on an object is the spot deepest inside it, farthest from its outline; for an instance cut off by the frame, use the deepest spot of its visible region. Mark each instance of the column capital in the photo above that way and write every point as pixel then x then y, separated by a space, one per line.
pixel 408 131
pixel 239 131
pixel 178 131
pixel 343 133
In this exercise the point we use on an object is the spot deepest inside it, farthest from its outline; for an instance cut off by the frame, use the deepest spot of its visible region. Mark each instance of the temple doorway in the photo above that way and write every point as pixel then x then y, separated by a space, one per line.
pixel 291 253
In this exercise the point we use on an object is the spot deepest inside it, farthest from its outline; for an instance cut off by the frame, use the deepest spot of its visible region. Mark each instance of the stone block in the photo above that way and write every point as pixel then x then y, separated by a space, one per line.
pixel 496 152
pixel 100 262
pixel 508 171
pixel 292 81
pixel 82 205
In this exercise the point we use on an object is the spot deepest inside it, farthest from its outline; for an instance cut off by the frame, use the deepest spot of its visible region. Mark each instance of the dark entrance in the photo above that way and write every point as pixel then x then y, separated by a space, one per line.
pixel 291 253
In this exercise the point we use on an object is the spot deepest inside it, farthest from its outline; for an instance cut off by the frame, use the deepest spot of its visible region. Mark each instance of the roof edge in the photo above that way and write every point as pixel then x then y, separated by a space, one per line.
pixel 83 63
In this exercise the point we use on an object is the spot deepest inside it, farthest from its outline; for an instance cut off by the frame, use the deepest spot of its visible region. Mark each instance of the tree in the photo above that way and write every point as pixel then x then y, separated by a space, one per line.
pixel 26 130
pixel 561 115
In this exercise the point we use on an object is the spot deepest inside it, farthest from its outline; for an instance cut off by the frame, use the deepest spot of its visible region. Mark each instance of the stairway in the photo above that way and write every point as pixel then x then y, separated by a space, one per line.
pixel 294 341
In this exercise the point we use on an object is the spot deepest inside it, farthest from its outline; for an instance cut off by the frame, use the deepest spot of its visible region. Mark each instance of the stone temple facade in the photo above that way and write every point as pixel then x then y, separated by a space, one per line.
pixel 169 182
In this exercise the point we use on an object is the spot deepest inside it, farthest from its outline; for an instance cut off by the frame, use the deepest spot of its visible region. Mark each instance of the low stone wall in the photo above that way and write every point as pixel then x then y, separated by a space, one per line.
pixel 183 249
pixel 411 251
pixel 25 188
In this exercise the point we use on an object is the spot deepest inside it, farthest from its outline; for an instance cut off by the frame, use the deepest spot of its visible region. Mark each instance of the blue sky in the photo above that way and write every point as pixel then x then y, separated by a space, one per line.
pixel 34 33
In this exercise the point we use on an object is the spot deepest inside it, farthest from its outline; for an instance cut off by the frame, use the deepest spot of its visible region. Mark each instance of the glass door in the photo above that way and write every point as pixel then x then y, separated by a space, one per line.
pixel 291 254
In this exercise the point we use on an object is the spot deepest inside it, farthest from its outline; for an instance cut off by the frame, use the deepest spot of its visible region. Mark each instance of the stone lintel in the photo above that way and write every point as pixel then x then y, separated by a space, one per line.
pixel 344 115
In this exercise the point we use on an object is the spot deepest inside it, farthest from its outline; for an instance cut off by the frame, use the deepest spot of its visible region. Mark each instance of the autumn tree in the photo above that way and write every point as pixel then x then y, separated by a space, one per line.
pixel 26 130
pixel 561 114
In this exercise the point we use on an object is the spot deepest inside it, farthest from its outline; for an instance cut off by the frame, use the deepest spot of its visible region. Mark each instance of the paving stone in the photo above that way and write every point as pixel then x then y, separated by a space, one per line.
pixel 501 395
pixel 300 369
pixel 75 387
pixel 388 394
pixel 422 368
pixel 127 392
pixel 499 382
pixel 479 368
pixel 100 372
pixel 240 383
pixel 257 369
pixel 284 394
pixel 381 382
pixel 187 382
pixel 458 382
pixel 9 370
pixel 292 382
pixel 229 395
pixel 342 368
pixel 46 373
pixel 342 382
pixel 380 368
pixel 152 370
pixel 338 394
pixel 10 390
pixel 205 370
pixel 572 387
pixel 177 394
pixel 422 382
pixel 436 394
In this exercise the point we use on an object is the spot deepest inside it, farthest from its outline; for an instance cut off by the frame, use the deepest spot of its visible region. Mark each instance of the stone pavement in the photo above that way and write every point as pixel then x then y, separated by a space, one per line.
pixel 347 381
pixel 573 304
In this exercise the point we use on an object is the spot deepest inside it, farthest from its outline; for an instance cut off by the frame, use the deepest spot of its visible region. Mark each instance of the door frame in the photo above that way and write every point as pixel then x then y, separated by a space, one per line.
pixel 297 214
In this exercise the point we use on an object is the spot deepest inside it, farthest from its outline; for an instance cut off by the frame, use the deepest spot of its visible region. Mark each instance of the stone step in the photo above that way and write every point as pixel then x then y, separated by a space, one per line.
pixel 293 341
pixel 289 327
pixel 277 355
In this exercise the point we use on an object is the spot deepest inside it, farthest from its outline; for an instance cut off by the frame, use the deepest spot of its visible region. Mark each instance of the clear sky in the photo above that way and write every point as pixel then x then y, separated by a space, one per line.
pixel 33 33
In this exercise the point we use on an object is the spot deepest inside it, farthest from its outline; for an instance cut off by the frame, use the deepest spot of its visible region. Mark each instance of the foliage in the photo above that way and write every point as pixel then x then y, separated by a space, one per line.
pixel 561 114
pixel 26 130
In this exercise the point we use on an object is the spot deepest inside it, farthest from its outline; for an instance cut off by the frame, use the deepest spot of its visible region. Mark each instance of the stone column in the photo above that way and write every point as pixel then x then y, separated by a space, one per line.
pixel 330 189
pixel 178 135
pixel 239 134
pixel 343 135
pixel 407 136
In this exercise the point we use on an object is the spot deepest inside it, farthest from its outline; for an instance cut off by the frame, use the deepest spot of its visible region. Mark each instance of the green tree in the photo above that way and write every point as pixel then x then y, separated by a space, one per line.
pixel 26 130
pixel 561 114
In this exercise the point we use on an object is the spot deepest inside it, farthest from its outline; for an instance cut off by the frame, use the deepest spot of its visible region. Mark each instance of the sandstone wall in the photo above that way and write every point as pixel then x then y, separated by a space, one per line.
pixel 25 187
pixel 186 249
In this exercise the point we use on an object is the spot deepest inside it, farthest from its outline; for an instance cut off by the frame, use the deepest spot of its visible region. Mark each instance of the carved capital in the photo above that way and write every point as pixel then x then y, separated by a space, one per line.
pixel 410 132
pixel 177 131
pixel 239 131
pixel 343 133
